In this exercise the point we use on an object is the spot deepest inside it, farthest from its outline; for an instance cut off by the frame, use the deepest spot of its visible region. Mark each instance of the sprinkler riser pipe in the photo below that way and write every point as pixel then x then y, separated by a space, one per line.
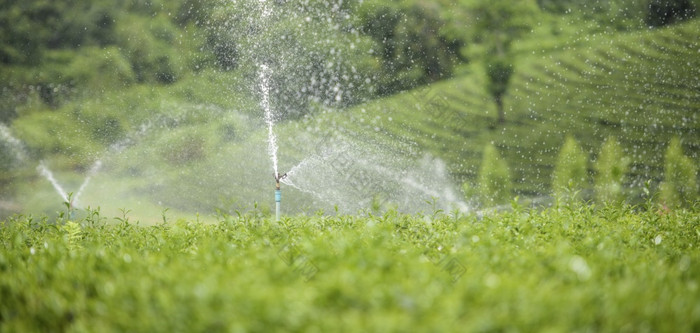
pixel 71 211
pixel 278 200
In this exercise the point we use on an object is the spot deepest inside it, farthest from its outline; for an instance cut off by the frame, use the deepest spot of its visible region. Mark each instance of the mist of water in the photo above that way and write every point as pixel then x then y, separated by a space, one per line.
pixel 14 143
pixel 353 176
pixel 92 172
pixel 349 172
pixel 48 174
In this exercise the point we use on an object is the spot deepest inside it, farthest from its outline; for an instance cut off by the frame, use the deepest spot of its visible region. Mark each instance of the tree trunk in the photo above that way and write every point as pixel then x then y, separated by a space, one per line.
pixel 499 106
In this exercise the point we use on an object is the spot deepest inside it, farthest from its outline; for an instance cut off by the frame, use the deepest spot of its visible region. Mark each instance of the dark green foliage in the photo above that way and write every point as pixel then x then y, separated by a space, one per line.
pixel 147 44
pixel 413 43
pixel 499 70
pixel 63 50
pixel 680 187
pixel 224 47
pixel 224 42
pixel 664 12
pixel 625 14
pixel 496 24
pixel 27 28
pixel 194 11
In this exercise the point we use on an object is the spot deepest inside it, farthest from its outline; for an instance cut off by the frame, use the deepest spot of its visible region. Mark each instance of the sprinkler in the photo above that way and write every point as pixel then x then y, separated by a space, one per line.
pixel 278 194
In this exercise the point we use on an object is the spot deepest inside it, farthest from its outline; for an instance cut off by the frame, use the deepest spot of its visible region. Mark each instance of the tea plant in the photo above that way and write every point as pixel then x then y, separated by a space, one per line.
pixel 571 268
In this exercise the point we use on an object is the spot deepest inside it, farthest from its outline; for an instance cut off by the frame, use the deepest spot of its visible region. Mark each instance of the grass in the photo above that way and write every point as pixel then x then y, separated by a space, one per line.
pixel 568 268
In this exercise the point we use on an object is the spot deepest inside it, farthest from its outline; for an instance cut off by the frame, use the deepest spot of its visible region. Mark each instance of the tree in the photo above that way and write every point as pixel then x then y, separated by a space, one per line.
pixel 570 172
pixel 679 187
pixel 611 168
pixel 499 71
pixel 414 46
pixel 494 177
pixel 665 12
pixel 28 28
pixel 497 23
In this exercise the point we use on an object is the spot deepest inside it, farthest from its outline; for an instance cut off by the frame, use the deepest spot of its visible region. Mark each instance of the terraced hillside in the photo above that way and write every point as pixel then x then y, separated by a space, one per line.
pixel 642 88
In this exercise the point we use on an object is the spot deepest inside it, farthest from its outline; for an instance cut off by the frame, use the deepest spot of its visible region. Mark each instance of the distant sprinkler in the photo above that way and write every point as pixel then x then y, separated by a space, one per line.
pixel 278 193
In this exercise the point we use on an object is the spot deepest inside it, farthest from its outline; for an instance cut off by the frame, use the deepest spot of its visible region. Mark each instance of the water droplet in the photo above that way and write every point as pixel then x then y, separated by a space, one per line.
pixel 492 280
pixel 579 266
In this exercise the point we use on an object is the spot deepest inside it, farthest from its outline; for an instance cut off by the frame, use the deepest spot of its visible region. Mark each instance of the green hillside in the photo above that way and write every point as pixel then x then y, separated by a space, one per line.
pixel 609 85
pixel 641 87
pixel 198 141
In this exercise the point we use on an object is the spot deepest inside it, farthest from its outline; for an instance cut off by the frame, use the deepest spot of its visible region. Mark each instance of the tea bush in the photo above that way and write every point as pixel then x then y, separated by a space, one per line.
pixel 569 268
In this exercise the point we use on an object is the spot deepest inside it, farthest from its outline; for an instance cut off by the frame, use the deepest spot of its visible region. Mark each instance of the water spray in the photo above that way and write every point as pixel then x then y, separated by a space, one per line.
pixel 278 194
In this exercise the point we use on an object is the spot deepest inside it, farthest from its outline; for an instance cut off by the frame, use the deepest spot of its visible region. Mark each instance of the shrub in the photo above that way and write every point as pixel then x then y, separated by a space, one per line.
pixel 494 177
pixel 570 172
pixel 146 43
pixel 611 168
pixel 679 187
pixel 183 146
pixel 99 69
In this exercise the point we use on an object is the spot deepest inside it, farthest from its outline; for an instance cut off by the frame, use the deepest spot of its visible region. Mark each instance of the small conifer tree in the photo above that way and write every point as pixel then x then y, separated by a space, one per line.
pixel 679 187
pixel 494 178
pixel 570 172
pixel 611 168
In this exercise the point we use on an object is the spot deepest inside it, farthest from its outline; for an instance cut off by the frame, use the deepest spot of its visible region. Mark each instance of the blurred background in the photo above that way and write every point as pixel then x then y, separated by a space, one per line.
pixel 155 106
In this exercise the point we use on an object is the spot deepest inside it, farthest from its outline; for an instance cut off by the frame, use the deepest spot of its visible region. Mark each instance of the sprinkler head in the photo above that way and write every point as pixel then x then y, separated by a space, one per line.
pixel 279 177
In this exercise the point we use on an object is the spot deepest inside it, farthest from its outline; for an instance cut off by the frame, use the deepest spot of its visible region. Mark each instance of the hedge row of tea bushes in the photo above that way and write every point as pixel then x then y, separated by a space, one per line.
pixel 569 268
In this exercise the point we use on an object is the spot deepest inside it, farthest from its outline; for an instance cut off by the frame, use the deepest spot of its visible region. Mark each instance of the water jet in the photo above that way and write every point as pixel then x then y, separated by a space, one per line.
pixel 69 199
